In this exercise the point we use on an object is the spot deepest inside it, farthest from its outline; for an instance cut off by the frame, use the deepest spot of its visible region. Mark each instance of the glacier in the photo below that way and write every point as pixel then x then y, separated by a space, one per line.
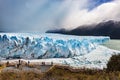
pixel 77 51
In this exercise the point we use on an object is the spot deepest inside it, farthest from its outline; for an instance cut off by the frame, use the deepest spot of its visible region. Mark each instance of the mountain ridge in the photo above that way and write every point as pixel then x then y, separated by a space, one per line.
pixel 108 28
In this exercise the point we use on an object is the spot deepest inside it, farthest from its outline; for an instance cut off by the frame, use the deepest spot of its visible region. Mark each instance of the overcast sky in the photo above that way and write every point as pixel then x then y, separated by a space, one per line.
pixel 42 15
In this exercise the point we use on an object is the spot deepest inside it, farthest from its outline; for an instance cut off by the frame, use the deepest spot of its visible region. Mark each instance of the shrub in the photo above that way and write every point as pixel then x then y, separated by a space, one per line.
pixel 114 63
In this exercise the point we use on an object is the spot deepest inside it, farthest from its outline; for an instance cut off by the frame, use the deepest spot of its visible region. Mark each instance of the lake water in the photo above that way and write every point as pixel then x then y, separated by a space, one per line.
pixel 113 44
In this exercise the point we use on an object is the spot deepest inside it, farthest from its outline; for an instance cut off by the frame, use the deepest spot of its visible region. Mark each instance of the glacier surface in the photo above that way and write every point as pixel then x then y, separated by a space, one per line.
pixel 77 51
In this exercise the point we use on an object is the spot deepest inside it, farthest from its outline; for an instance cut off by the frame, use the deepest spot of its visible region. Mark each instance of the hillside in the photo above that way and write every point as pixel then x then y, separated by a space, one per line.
pixel 108 28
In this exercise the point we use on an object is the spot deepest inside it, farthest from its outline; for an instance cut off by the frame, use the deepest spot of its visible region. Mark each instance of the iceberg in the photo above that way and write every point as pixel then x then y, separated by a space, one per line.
pixel 77 51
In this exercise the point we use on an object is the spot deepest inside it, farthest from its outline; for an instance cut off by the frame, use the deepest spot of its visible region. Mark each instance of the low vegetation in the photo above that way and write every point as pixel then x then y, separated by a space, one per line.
pixel 62 73
pixel 2 66
pixel 57 73
pixel 20 76
pixel 114 63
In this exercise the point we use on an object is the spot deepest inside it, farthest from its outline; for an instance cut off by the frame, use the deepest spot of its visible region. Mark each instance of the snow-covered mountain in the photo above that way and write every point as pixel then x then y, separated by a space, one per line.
pixel 70 50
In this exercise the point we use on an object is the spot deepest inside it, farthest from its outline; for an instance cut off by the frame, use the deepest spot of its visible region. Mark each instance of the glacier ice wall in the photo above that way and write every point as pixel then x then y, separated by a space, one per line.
pixel 41 46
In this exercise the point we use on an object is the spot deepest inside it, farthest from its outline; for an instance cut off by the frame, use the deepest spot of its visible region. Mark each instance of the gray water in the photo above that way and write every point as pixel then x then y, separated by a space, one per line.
pixel 113 44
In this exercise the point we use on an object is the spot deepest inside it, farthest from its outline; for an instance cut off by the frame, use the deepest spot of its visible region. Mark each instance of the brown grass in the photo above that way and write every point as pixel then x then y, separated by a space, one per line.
pixel 57 73
pixel 20 76
pixel 64 74
pixel 2 66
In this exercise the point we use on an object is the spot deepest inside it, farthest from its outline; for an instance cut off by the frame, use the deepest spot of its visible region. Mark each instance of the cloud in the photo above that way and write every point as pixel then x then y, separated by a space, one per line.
pixel 42 15
pixel 35 15
pixel 104 12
